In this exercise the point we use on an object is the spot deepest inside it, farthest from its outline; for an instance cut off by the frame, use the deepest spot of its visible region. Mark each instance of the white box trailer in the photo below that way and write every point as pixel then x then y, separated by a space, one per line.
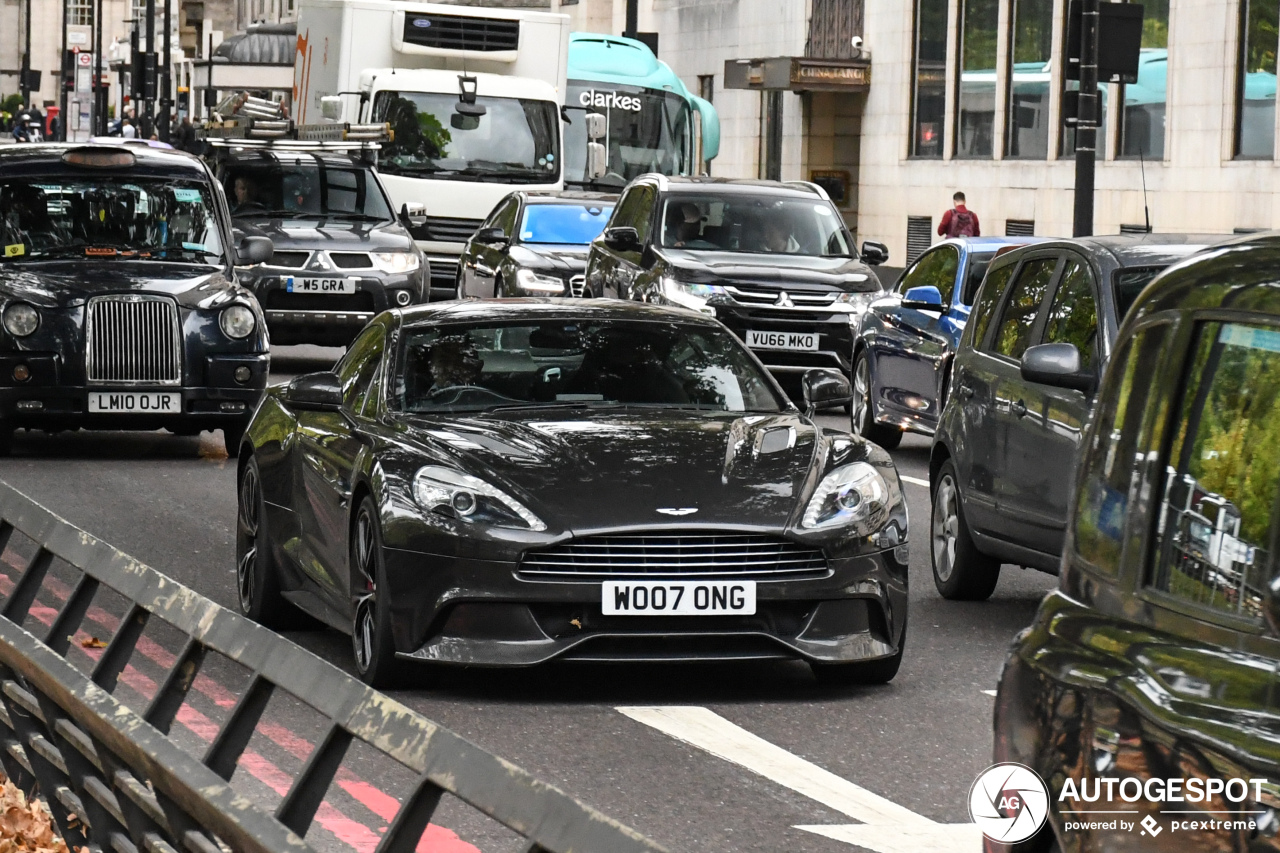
pixel 472 93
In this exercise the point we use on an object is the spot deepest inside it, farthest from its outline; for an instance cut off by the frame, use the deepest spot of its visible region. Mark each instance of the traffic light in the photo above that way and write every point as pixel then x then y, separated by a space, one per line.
pixel 1119 41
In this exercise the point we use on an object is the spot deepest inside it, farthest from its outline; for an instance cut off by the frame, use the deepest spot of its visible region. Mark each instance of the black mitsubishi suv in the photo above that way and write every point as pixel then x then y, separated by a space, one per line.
pixel 773 261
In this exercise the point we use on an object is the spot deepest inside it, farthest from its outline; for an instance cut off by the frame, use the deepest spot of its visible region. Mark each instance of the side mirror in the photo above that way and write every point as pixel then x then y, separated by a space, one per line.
pixel 317 392
pixel 874 253
pixel 597 161
pixel 623 238
pixel 491 236
pixel 254 250
pixel 926 298
pixel 1057 365
pixel 413 215
pixel 824 387
pixel 331 107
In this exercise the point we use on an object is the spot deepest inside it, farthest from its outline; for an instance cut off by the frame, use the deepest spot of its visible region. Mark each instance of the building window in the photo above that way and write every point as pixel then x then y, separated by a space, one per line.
pixel 1256 86
pixel 1142 122
pixel 979 33
pixel 929 82
pixel 80 13
pixel 1032 48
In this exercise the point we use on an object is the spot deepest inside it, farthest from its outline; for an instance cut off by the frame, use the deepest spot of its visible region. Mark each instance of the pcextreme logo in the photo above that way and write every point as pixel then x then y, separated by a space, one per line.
pixel 592 98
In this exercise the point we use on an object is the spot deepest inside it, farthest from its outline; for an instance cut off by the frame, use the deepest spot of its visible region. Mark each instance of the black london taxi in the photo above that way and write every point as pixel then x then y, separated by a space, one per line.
pixel 771 260
pixel 119 307
pixel 1146 686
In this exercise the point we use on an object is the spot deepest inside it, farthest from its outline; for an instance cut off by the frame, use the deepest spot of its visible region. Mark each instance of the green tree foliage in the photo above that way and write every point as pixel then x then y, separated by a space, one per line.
pixel 1263 36
pixel 981 34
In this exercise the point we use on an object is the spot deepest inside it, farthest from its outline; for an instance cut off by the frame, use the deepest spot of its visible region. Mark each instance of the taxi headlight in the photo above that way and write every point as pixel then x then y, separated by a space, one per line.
pixel 853 496
pixel 396 262
pixel 470 499
pixel 530 282
pixel 237 321
pixel 20 319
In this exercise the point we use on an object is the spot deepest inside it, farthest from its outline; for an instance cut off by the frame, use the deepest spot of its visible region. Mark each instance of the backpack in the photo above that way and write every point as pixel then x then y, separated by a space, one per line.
pixel 961 224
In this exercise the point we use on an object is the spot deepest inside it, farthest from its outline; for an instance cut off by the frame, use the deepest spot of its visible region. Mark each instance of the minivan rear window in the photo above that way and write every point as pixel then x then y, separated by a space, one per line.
pixel 1128 283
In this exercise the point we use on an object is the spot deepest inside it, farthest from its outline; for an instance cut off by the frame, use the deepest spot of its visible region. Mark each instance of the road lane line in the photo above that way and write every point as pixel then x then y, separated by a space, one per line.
pixel 915 481
pixel 436 839
pixel 886 826
pixel 989 692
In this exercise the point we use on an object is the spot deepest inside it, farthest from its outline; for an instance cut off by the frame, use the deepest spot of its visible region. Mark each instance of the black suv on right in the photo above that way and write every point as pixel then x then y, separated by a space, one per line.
pixel 1023 381
pixel 772 261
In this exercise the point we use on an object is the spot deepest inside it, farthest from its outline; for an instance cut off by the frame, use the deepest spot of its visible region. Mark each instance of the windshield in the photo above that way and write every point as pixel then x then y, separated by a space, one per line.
pixel 108 216
pixel 761 225
pixel 573 363
pixel 305 188
pixel 515 141
pixel 646 131
pixel 564 223
pixel 1128 284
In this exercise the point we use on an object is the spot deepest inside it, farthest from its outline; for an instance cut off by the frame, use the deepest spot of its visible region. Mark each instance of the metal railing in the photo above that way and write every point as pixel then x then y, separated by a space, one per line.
pixel 115 779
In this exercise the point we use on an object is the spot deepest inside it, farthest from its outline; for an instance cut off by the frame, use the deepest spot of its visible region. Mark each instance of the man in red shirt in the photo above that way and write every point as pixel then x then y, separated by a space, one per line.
pixel 960 221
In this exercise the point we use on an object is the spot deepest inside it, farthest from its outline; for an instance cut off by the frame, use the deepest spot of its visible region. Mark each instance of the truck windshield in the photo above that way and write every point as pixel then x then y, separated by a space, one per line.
pixel 564 223
pixel 108 216
pixel 758 224
pixel 515 141
pixel 305 188
pixel 647 131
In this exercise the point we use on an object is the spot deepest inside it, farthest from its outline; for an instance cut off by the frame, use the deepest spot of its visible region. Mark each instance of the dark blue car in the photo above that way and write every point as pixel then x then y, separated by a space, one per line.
pixel 906 339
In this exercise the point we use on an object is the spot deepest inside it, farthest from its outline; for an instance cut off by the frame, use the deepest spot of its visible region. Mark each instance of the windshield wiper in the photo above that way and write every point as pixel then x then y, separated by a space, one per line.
pixel 363 217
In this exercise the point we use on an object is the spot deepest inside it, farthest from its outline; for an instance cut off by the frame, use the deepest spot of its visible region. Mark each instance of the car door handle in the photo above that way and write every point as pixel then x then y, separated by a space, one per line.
pixel 1019 408
pixel 483 271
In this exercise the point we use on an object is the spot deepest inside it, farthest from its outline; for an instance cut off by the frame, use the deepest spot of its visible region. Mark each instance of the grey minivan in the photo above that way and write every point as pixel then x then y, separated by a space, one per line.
pixel 1003 457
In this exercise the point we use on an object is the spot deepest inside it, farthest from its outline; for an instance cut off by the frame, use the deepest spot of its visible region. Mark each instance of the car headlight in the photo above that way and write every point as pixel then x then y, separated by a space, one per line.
pixel 396 262
pixel 853 496
pixel 689 294
pixel 531 282
pixel 470 499
pixel 237 321
pixel 858 301
pixel 20 319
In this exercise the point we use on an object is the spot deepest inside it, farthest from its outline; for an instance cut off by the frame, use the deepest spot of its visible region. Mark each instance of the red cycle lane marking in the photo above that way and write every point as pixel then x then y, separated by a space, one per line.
pixel 436 839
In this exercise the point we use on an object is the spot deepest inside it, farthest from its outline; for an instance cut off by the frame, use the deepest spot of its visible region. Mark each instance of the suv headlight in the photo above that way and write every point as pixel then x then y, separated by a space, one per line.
pixel 688 294
pixel 856 303
pixel 20 319
pixel 396 262
pixel 531 282
pixel 470 499
pixel 853 496
pixel 237 321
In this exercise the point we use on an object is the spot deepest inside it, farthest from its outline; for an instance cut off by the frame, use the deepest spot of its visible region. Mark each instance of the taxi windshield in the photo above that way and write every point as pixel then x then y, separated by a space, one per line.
pixel 755 224
pixel 557 363
pixel 564 223
pixel 108 216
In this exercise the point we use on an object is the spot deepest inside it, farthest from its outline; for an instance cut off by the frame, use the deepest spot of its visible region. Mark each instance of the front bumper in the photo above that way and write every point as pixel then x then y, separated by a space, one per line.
pixel 468 611
pixel 835 337
pixel 43 402
pixel 330 318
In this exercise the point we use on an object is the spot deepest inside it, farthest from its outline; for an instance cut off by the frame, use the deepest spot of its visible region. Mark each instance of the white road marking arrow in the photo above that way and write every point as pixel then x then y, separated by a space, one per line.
pixel 886 826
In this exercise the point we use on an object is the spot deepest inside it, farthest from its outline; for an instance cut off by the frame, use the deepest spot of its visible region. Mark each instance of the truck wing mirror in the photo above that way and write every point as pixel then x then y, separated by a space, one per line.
pixel 331 107
pixel 597 161
pixel 595 126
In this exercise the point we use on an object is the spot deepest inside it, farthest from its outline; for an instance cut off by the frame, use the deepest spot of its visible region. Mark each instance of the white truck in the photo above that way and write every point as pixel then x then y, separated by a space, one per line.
pixel 472 94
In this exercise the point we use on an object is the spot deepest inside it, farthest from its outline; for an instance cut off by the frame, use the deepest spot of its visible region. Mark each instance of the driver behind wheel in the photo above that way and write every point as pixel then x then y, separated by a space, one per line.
pixel 454 362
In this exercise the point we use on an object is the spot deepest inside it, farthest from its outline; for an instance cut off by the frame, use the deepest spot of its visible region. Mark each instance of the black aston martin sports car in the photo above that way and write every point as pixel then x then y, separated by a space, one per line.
pixel 496 483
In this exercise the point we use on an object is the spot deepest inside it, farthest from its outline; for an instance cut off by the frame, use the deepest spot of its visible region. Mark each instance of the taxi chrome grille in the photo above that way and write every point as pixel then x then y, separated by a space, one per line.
pixel 676 554
pixel 133 339
pixel 578 285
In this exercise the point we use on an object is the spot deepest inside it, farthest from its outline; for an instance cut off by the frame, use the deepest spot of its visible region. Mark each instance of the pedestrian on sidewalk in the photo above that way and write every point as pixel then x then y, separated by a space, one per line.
pixel 959 221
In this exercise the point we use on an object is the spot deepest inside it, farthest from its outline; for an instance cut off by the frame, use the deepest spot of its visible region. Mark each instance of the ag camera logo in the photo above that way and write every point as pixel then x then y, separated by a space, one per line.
pixel 1009 802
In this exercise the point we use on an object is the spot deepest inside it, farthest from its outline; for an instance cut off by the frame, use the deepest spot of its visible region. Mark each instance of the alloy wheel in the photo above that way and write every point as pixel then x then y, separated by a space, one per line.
pixel 945 525
pixel 366 616
pixel 246 569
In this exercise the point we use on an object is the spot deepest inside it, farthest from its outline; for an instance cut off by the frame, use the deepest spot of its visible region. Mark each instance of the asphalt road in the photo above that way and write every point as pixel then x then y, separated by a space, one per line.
pixel 688 778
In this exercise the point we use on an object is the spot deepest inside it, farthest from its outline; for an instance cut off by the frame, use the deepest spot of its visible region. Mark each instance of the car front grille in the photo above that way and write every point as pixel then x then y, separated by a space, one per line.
pixel 350 260
pixel 444 272
pixel 450 230
pixel 461 32
pixel 676 554
pixel 760 296
pixel 132 340
pixel 289 260
pixel 578 285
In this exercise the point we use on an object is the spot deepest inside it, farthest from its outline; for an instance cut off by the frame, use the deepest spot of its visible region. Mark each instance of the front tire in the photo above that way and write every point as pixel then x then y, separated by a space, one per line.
pixel 862 418
pixel 375 654
pixel 960 571
pixel 257 580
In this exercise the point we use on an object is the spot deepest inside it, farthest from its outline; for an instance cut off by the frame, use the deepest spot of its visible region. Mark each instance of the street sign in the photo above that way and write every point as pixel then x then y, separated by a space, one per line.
pixel 84 60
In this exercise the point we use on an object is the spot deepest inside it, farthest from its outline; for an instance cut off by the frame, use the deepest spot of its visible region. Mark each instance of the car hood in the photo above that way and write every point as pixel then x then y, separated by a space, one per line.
pixel 591 470
pixel 327 233
pixel 780 272
pixel 567 258
pixel 66 283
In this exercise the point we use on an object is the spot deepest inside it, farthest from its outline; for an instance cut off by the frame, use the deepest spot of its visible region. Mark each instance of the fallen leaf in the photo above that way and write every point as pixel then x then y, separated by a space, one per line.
pixel 93 643
pixel 575 622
